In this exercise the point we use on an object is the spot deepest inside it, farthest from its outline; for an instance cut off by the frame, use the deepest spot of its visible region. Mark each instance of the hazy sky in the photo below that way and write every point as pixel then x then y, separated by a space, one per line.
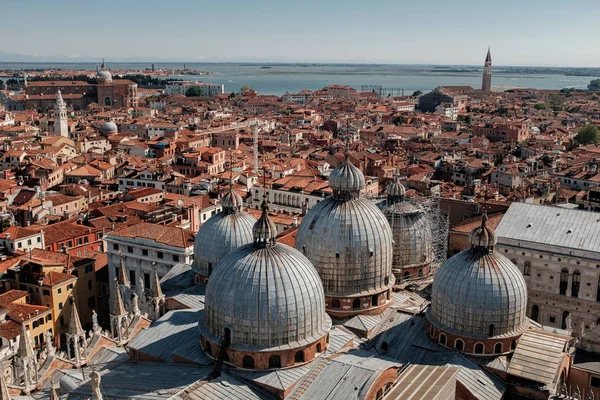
pixel 520 32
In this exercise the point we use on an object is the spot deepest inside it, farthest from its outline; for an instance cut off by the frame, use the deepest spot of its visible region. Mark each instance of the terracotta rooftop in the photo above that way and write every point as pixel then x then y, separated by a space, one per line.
pixel 54 278
pixel 168 235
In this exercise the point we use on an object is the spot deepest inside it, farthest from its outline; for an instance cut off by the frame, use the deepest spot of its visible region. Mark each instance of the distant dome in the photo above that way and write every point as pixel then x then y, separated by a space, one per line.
pixel 103 75
pixel 395 190
pixel 221 234
pixel 479 292
pixel 349 241
pixel 265 296
pixel 109 127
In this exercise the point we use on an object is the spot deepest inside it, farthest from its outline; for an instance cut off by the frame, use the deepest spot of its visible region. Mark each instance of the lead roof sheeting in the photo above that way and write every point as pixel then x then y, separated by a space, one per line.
pixel 223 387
pixel 549 226
pixel 281 379
pixel 167 334
pixel 537 357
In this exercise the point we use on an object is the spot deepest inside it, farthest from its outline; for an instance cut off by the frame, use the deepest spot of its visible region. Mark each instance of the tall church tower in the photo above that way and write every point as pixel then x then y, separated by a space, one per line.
pixel 60 117
pixel 486 84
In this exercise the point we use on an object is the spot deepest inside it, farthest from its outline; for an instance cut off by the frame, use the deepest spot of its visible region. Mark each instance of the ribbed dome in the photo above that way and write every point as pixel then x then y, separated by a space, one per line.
pixel 346 180
pixel 109 127
pixel 269 297
pixel 350 244
pixel 478 288
pixel 220 235
pixel 395 191
pixel 264 230
pixel 231 202
pixel 483 236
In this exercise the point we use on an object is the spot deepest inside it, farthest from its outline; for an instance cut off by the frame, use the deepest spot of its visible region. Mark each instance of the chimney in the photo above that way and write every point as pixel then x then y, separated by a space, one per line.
pixel 295 222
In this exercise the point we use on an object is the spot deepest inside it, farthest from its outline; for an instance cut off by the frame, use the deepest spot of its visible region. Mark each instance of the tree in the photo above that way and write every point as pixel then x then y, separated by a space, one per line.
pixel 399 120
pixel 417 93
pixel 588 134
pixel 594 84
pixel 232 95
pixel 1 84
pixel 194 91
pixel 555 102
pixel 540 106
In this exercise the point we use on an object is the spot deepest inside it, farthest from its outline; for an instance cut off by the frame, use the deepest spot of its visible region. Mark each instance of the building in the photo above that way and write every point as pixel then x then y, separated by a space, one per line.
pixel 557 251
pixel 16 239
pixel 61 126
pixel 142 246
pixel 486 83
pixel 206 89
pixel 455 96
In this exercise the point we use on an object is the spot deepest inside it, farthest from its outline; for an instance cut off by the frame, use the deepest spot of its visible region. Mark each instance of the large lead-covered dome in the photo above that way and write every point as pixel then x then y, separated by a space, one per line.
pixel 348 239
pixel 265 296
pixel 479 292
pixel 221 234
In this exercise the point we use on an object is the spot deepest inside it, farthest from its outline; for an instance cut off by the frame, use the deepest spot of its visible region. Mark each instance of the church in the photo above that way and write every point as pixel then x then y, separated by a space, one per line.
pixel 107 92
pixel 255 318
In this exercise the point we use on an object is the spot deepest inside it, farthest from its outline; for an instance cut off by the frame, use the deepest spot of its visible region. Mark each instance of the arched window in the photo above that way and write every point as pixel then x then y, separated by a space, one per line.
pixel 386 280
pixel 226 337
pixel 299 357
pixel 498 348
pixel 527 268
pixel 459 345
pixel 384 346
pixel 374 300
pixel 598 290
pixel 513 345
pixel 564 281
pixel 335 304
pixel 389 294
pixel 356 304
pixel 576 283
pixel 420 273
pixel 107 101
pixel 406 274
pixel 491 330
pixel 535 313
pixel 319 347
pixel 442 339
pixel 274 362
pixel 479 348
pixel 207 348
pixel 248 362
pixel 565 316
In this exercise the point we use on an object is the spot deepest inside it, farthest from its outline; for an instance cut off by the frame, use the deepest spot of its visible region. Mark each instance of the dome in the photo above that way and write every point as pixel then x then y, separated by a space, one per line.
pixel 109 127
pixel 346 180
pixel 103 75
pixel 483 236
pixel 221 234
pixel 395 190
pixel 265 296
pixel 350 245
pixel 479 292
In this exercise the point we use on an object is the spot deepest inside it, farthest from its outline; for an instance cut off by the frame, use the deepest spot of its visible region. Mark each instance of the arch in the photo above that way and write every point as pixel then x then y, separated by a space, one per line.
pixel 386 280
pixel 459 344
pixel 513 344
pixel 564 281
pixel 374 300
pixel 565 315
pixel 575 283
pixel 208 348
pixel 107 101
pixel 274 362
pixel 535 312
pixel 527 268
pixel 406 275
pixel 299 357
pixel 388 294
pixel 319 348
pixel 491 330
pixel 384 346
pixel 479 348
pixel 335 304
pixel 356 304
pixel 248 362
pixel 442 339
pixel 498 348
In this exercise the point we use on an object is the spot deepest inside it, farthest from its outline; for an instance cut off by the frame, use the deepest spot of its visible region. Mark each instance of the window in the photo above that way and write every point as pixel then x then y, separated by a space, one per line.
pixel 146 280
pixel 527 268
pixel 498 348
pixel 70 286
pixel 565 320
pixel 59 291
pixel 145 252
pixel 28 242
pixel 90 285
pixel 564 281
pixel 576 283
pixel 459 345
pixel 491 330
pixel 299 357
pixel 60 306
pixel 535 313
pixel 129 249
pixel 356 304
pixel 552 320
pixel 595 382
pixel 175 258
pixel 479 348
pixel 442 339
pixel 132 277
pixel 89 268
pixel 160 254
pixel 62 321
pixel 115 246
pixel 48 317
pixel 274 362
pixel 39 239
pixel 248 362
pixel 92 302
pixel 335 304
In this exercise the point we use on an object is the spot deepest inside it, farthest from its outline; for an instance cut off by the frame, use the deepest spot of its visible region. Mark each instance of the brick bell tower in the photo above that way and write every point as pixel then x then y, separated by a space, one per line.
pixel 486 83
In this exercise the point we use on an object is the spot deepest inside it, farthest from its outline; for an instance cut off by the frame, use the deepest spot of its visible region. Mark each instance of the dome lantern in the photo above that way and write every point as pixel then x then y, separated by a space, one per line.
pixel 264 230
pixel 395 191
pixel 346 180
pixel 483 237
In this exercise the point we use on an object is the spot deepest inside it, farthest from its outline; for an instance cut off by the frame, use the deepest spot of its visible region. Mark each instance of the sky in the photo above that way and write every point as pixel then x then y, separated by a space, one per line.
pixel 520 32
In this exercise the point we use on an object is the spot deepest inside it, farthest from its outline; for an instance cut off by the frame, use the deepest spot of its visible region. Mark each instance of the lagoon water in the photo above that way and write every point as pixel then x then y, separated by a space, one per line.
pixel 280 78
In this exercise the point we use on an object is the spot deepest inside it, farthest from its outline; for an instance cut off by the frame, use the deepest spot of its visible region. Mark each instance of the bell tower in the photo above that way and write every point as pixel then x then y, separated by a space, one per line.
pixel 486 83
pixel 61 128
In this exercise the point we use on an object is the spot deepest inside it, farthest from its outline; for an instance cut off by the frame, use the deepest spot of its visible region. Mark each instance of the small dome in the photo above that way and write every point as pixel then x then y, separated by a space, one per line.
pixel 395 191
pixel 109 127
pixel 268 297
pixel 346 180
pixel 103 75
pixel 220 235
pixel 232 201
pixel 479 292
pixel 483 236
pixel 265 230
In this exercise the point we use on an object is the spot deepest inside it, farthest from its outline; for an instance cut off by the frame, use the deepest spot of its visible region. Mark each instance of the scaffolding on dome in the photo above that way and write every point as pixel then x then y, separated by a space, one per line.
pixel 420 232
